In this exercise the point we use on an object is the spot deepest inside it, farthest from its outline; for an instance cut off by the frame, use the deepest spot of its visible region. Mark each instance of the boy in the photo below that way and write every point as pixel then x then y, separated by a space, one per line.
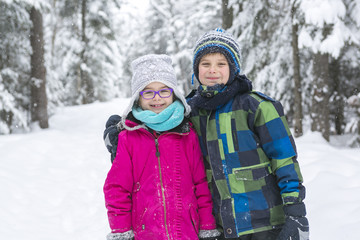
pixel 250 154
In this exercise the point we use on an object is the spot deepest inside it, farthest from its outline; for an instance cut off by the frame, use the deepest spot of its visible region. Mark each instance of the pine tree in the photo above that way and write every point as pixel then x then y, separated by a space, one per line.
pixel 263 29
pixel 15 52
pixel 85 54
pixel 326 38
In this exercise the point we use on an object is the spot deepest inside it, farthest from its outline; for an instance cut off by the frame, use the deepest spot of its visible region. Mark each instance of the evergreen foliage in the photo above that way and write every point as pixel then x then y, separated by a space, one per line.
pixel 89 45
pixel 15 53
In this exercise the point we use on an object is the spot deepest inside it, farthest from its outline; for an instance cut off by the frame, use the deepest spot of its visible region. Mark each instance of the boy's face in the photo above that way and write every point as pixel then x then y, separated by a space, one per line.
pixel 214 69
pixel 156 104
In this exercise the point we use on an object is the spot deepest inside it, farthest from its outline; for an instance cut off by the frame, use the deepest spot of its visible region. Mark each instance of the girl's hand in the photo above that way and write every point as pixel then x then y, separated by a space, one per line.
pixel 213 234
pixel 121 236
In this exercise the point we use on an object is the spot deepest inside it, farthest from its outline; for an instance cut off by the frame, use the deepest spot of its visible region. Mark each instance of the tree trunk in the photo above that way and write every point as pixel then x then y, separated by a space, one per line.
pixel 227 15
pixel 38 106
pixel 87 87
pixel 338 96
pixel 320 100
pixel 54 31
pixel 298 114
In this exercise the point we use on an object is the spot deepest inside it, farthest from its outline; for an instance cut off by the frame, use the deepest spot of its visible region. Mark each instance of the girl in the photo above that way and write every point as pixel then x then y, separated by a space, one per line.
pixel 156 187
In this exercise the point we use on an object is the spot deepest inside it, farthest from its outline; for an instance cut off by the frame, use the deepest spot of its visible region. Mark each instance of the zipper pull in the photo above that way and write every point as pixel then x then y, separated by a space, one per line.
pixel 157 148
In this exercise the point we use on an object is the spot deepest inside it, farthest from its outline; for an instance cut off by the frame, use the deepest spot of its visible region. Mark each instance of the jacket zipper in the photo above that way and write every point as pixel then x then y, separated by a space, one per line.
pixel 160 173
pixel 162 186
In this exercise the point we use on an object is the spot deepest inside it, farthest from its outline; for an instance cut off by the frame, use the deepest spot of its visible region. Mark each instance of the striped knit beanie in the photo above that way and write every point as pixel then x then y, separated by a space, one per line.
pixel 218 41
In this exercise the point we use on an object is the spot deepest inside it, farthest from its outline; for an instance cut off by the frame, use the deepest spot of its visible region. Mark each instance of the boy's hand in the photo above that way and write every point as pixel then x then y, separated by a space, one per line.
pixel 111 135
pixel 296 225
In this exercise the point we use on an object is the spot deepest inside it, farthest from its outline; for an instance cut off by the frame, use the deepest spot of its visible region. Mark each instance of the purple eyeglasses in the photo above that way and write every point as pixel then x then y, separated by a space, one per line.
pixel 150 94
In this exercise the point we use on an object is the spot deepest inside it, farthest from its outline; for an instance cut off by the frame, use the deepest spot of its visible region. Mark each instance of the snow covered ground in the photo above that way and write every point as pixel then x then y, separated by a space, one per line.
pixel 51 180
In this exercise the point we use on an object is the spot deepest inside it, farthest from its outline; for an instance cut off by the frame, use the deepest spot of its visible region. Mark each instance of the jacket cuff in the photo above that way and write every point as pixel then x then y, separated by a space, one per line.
pixel 119 224
pixel 207 221
pixel 295 210
pixel 291 198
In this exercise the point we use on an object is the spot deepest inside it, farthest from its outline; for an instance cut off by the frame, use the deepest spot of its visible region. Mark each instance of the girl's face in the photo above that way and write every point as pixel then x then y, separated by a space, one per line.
pixel 156 104
pixel 214 69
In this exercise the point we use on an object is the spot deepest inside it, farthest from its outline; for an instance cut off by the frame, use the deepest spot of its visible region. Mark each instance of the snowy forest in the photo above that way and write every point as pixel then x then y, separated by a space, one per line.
pixel 304 53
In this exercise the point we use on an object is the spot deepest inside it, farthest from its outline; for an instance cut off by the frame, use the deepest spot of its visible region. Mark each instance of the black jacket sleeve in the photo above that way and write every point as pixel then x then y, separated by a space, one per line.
pixel 111 135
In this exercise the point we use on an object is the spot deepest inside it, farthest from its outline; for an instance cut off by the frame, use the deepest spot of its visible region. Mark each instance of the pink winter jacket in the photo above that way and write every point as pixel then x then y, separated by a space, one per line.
pixel 157 186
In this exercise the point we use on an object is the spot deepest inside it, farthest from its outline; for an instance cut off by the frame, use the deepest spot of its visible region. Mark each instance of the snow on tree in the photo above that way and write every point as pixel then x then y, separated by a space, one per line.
pixel 264 30
pixel 328 38
pixel 328 33
pixel 84 52
pixel 15 52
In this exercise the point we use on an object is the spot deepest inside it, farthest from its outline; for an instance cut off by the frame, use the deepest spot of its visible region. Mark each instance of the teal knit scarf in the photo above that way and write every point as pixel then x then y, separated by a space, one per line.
pixel 168 119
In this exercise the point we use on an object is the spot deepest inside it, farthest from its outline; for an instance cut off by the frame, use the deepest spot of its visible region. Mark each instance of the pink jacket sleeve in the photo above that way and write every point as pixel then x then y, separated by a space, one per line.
pixel 118 188
pixel 202 192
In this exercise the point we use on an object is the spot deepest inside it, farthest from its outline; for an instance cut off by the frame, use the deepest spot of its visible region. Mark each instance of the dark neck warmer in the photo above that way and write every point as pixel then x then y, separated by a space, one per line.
pixel 211 97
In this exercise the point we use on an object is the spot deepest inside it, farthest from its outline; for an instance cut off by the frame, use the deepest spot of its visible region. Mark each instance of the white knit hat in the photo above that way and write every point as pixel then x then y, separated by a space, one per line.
pixel 153 68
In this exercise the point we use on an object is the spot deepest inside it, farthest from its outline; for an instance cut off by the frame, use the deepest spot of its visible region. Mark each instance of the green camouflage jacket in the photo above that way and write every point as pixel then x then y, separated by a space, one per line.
pixel 251 163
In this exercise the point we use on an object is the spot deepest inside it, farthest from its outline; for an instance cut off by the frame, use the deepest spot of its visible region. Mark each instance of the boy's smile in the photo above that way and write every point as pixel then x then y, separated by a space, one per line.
pixel 214 69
